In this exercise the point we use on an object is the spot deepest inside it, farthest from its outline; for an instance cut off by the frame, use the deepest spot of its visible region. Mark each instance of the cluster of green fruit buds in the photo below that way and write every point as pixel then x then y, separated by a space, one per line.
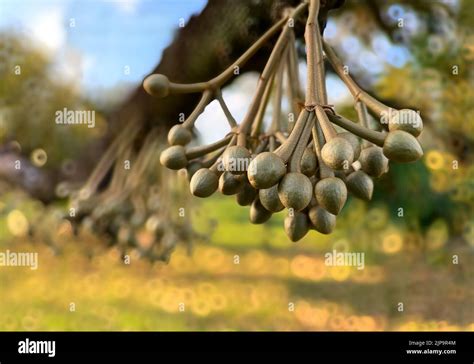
pixel 307 166
pixel 133 213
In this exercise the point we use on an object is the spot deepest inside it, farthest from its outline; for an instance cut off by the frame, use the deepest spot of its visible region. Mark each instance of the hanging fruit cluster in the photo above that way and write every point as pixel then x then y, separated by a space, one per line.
pixel 306 166
pixel 136 210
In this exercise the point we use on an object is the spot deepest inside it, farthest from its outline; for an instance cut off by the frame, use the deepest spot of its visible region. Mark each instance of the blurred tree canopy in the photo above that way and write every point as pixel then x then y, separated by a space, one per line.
pixel 31 93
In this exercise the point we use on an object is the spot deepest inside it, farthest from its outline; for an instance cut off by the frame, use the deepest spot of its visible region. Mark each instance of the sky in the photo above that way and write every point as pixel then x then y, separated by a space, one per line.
pixel 99 44
pixel 116 40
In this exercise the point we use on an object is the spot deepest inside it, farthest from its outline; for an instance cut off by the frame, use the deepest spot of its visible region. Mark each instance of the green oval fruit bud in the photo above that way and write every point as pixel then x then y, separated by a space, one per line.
pixel 337 153
pixel 236 159
pixel 295 190
pixel 373 162
pixel 360 185
pixel 331 194
pixel 192 168
pixel 157 85
pixel 309 162
pixel 270 199
pixel 296 225
pixel 204 183
pixel 258 213
pixel 406 120
pixel 229 184
pixel 174 157
pixel 179 135
pixel 265 170
pixel 322 220
pixel 354 141
pixel 402 147
pixel 246 195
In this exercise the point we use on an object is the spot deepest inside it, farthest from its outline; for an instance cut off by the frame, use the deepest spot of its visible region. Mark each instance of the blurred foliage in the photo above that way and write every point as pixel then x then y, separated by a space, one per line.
pixel 31 91
pixel 238 281
pixel 437 79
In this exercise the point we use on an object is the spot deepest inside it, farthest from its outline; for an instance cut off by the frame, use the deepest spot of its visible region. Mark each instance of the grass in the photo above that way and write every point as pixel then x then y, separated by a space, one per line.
pixel 277 285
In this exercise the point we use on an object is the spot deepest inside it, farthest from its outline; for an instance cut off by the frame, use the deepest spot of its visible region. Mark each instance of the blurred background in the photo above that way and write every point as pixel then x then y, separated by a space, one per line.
pixel 140 254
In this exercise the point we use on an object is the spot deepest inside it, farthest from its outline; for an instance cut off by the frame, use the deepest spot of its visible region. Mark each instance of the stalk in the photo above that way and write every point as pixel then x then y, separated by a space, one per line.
pixel 198 110
pixel 295 161
pixel 262 82
pixel 225 109
pixel 286 149
pixel 359 95
pixel 373 136
pixel 263 106
pixel 363 116
pixel 201 150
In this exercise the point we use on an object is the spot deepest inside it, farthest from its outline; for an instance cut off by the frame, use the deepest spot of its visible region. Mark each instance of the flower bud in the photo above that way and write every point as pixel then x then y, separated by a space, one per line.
pixel 354 141
pixel 229 184
pixel 360 185
pixel 157 85
pixel 402 147
pixel 373 162
pixel 322 220
pixel 406 120
pixel 246 195
pixel 296 225
pixel 265 170
pixel 192 168
pixel 295 190
pixel 331 194
pixel 236 159
pixel 258 213
pixel 337 153
pixel 179 135
pixel 174 157
pixel 309 162
pixel 203 183
pixel 270 199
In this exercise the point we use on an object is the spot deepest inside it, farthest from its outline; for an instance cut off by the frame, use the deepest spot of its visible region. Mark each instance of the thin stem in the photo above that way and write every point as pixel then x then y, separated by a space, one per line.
pixel 208 162
pixel 274 58
pixel 326 126
pixel 363 119
pixel 228 73
pixel 201 150
pixel 280 137
pixel 261 110
pixel 142 161
pixel 373 136
pixel 272 143
pixel 310 39
pixel 359 95
pixel 198 110
pixel 124 139
pixel 362 113
pixel 295 161
pixel 225 109
pixel 261 146
pixel 319 59
pixel 264 78
pixel 276 117
pixel 286 149
pixel 293 78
